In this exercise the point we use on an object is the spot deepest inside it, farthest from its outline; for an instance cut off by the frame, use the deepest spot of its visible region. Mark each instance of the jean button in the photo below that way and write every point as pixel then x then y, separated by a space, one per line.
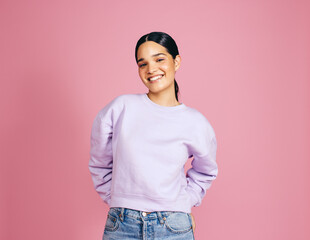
pixel 144 214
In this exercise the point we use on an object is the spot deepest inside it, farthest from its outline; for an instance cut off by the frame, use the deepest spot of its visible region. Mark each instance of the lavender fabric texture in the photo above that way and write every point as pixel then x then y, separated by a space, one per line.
pixel 139 149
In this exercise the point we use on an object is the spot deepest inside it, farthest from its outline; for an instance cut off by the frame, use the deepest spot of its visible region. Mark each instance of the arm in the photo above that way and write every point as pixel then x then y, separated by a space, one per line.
pixel 193 222
pixel 101 155
pixel 204 168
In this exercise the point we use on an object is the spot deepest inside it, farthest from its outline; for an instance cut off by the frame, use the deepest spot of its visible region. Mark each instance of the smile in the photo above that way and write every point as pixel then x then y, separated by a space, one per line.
pixel 155 78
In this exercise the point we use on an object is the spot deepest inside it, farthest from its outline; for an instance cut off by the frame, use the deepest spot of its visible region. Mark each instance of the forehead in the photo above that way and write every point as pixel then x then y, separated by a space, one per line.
pixel 149 48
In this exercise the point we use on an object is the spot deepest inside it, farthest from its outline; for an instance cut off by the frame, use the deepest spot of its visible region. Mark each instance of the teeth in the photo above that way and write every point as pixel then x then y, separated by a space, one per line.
pixel 155 78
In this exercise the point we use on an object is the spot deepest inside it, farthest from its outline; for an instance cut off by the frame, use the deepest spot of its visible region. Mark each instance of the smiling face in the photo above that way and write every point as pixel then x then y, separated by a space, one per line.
pixel 157 67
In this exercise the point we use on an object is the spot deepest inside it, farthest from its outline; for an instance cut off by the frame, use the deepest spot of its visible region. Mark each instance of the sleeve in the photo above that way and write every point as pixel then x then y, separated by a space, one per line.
pixel 101 153
pixel 204 167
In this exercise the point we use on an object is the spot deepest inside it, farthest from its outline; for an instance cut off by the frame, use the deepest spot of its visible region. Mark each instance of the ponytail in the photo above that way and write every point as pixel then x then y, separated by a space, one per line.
pixel 176 89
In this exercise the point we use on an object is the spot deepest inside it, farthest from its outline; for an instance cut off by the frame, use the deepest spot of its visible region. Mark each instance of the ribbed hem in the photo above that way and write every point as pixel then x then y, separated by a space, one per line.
pixel 183 204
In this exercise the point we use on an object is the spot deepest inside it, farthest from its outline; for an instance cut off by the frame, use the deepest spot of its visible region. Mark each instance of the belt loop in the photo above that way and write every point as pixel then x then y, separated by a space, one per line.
pixel 121 216
pixel 160 217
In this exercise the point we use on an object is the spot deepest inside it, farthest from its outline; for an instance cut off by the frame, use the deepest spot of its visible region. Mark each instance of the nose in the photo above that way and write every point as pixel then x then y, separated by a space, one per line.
pixel 152 68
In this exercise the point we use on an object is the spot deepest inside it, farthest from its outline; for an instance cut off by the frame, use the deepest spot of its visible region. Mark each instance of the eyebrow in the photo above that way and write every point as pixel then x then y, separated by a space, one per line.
pixel 155 55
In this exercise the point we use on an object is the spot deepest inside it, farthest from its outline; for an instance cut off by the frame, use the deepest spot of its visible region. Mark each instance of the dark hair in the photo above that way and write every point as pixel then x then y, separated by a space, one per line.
pixel 166 41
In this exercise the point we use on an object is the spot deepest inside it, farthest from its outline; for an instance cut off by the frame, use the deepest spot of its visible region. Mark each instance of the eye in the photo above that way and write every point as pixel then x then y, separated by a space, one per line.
pixel 142 65
pixel 161 59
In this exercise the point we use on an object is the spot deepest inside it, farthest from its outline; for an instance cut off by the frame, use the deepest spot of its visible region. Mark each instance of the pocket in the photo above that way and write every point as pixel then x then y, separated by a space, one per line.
pixel 190 219
pixel 178 222
pixel 111 224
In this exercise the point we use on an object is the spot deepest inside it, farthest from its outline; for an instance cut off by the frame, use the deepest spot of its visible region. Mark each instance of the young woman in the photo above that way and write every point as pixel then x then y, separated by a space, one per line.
pixel 139 146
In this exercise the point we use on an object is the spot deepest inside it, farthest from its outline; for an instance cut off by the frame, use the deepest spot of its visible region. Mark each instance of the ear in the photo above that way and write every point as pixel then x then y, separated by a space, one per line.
pixel 177 62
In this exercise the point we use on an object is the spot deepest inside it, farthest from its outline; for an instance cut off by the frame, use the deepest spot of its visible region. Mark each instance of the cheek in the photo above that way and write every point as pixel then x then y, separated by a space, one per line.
pixel 141 74
pixel 166 67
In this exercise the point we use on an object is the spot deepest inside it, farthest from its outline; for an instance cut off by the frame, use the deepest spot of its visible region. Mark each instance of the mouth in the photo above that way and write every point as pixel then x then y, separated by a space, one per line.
pixel 154 78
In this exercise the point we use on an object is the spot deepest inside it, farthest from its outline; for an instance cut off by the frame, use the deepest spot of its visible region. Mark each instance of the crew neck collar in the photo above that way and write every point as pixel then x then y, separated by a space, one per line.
pixel 160 107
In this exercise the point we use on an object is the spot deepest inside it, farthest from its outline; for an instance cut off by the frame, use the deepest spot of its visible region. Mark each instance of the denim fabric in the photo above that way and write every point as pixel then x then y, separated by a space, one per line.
pixel 126 224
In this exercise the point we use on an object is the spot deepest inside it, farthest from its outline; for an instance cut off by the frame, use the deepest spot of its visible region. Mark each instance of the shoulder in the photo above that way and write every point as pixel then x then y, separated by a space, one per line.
pixel 118 103
pixel 124 98
pixel 200 122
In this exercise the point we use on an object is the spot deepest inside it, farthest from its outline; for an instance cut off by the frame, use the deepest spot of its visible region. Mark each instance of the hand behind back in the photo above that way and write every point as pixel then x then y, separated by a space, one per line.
pixel 194 224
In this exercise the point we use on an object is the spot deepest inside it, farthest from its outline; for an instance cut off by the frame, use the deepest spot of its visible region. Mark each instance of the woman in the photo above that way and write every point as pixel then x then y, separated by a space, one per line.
pixel 139 146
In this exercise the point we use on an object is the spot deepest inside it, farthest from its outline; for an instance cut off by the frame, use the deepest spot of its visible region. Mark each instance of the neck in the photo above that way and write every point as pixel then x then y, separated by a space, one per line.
pixel 164 99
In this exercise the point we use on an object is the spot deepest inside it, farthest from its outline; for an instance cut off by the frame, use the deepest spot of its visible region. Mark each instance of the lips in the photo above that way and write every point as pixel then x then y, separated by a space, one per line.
pixel 161 75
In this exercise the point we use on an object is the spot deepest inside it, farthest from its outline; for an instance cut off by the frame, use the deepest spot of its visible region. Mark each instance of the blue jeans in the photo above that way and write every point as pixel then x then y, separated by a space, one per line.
pixel 126 224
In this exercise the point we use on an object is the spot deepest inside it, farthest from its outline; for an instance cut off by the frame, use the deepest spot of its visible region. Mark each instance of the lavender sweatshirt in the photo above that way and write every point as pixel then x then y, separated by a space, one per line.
pixel 138 151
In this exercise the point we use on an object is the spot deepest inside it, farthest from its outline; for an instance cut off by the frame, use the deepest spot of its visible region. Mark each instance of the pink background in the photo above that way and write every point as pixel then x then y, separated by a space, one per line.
pixel 245 65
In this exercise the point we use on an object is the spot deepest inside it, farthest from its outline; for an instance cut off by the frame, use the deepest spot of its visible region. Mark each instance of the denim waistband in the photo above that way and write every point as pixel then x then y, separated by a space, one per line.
pixel 141 215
